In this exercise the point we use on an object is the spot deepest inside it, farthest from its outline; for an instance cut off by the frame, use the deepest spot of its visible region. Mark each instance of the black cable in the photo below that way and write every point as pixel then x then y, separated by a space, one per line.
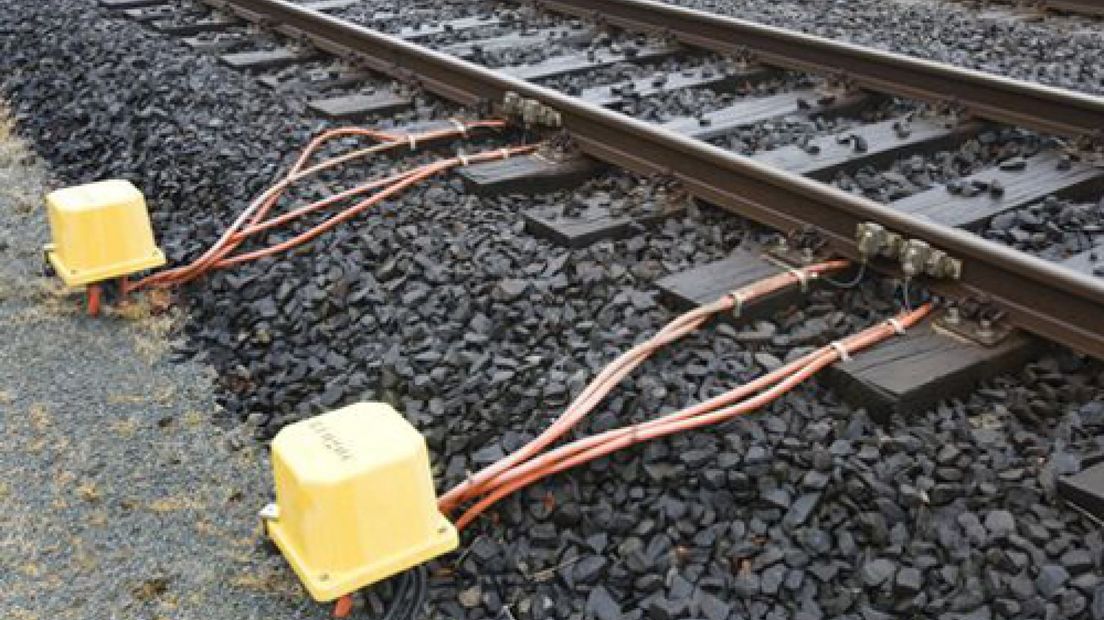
pixel 418 598
pixel 905 291
pixel 404 582
pixel 854 281
pixel 410 595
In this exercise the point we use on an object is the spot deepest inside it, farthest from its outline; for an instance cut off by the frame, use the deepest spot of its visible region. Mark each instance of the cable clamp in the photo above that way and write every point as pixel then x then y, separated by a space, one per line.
pixel 802 277
pixel 737 302
pixel 412 140
pixel 842 350
pixel 895 323
pixel 460 126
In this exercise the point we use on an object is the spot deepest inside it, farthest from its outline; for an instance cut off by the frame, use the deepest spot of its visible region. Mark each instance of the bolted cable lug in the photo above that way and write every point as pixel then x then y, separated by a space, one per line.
pixel 530 111
pixel 894 246
pixel 870 239
pixel 511 103
pixel 942 266
pixel 914 257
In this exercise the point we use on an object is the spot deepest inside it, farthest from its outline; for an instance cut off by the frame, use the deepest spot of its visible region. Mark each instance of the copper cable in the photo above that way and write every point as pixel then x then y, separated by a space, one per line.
pixel 608 378
pixel 255 213
pixel 783 379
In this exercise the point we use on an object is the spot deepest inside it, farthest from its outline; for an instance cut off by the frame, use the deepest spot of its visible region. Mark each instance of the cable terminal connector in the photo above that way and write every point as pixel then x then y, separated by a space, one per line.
pixel 916 257
pixel 530 111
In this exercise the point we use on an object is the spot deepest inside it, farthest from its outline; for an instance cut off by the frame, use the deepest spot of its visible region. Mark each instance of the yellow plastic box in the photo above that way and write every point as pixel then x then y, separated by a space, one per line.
pixel 354 499
pixel 100 231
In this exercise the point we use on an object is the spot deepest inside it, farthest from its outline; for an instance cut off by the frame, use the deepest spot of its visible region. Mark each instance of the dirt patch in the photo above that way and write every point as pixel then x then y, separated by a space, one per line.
pixel 122 498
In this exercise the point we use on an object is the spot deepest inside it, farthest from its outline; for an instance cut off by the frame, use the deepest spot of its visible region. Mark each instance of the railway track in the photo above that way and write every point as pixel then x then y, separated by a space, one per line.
pixel 1082 7
pixel 1093 8
pixel 500 55
pixel 440 302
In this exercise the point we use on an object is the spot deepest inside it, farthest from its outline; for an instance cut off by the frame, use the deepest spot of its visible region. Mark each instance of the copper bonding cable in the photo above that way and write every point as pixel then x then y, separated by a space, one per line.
pixel 252 218
pixel 713 411
pixel 421 174
pixel 606 380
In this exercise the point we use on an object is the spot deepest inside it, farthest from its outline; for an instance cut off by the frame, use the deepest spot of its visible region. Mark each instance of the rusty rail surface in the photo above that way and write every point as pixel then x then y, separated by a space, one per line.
pixel 1084 7
pixel 1051 301
pixel 1024 104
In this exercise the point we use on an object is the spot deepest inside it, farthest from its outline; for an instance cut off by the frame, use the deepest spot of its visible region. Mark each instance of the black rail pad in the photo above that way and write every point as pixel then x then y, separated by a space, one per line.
pixel 532 174
pixel 751 110
pixel 147 14
pixel 186 29
pixel 472 49
pixel 130 4
pixel 585 61
pixel 1085 490
pixel 423 30
pixel 217 42
pixel 661 82
pixel 267 59
pixel 314 83
pixel 1039 177
pixel 350 107
pixel 911 373
pixel 707 283
pixel 874 144
pixel 591 226
pixel 330 5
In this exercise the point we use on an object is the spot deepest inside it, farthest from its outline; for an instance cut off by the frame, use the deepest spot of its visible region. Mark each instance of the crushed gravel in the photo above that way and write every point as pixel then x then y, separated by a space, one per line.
pixel 443 305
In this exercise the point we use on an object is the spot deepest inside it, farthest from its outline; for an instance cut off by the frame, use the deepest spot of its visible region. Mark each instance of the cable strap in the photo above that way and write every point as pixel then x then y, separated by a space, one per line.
pixel 737 302
pixel 842 350
pixel 461 127
pixel 464 160
pixel 897 327
pixel 412 140
pixel 802 277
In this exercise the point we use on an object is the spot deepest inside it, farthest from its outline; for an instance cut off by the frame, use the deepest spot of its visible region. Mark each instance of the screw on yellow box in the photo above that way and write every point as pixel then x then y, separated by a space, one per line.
pixel 355 502
pixel 100 231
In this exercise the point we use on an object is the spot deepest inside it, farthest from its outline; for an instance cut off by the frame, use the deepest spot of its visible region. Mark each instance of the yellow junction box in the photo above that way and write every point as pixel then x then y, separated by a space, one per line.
pixel 100 231
pixel 354 499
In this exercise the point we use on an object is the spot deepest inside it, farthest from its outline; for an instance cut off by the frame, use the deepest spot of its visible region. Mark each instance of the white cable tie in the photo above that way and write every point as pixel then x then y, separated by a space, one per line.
pixel 842 350
pixel 505 153
pixel 461 127
pixel 802 277
pixel 412 140
pixel 897 326
pixel 737 302
pixel 462 157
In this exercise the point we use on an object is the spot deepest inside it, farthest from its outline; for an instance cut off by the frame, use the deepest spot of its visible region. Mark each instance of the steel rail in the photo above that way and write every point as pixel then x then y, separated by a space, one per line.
pixel 1082 7
pixel 1054 302
pixel 1024 104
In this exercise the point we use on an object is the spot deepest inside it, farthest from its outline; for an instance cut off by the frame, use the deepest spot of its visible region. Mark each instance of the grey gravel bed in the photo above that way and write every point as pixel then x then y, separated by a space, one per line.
pixel 120 496
pixel 442 304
